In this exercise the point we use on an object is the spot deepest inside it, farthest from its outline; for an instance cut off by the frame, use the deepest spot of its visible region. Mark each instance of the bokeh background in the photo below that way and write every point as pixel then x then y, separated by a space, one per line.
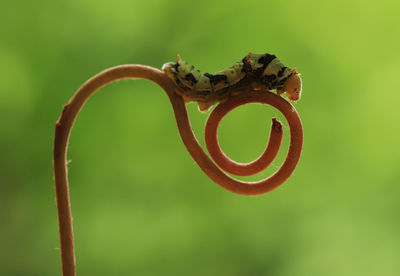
pixel 141 205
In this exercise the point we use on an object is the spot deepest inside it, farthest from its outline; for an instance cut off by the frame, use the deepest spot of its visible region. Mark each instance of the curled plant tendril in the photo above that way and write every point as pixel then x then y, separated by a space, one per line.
pixel 227 164
pixel 72 108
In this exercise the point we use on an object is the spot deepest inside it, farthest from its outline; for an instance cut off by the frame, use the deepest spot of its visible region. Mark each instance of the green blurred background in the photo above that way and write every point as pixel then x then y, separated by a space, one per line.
pixel 141 205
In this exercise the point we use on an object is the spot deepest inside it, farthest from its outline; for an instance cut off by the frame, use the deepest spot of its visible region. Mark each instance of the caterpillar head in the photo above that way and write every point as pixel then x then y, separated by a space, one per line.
pixel 293 86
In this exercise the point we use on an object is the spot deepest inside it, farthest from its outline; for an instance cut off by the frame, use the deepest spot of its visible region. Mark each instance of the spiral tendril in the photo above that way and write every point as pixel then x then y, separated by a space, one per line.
pixel 72 108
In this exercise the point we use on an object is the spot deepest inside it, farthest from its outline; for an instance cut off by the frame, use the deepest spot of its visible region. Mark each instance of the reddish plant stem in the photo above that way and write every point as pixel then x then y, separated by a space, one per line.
pixel 230 166
pixel 72 108
pixel 222 179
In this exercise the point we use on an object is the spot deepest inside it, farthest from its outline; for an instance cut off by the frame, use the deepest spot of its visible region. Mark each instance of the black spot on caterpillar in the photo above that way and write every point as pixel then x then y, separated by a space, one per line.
pixel 280 73
pixel 258 71
pixel 266 59
pixel 214 79
pixel 190 77
pixel 269 78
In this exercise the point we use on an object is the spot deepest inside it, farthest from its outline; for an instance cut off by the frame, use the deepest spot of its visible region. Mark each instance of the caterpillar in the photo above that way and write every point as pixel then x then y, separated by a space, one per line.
pixel 258 71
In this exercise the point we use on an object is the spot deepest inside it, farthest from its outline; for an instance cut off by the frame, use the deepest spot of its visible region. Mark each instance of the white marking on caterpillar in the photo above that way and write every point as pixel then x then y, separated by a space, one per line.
pixel 259 71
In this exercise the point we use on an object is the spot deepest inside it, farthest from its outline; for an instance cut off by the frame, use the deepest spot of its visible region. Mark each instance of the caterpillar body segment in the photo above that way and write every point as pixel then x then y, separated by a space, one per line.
pixel 259 71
